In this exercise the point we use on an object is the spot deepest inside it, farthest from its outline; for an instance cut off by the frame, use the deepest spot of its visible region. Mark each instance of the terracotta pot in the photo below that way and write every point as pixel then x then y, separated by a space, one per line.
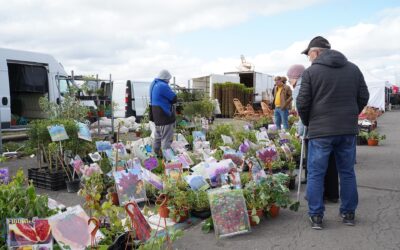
pixel 114 198
pixel 162 201
pixel 372 142
pixel 163 211
pixel 259 213
pixel 183 217
pixel 100 113
pixel 274 211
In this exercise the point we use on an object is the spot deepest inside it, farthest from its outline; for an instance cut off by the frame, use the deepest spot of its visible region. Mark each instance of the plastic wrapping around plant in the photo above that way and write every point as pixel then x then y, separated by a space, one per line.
pixel 229 212
pixel 71 230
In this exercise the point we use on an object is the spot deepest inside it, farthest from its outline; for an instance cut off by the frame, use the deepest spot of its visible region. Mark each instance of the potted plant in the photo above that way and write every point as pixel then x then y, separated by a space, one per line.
pixel 374 138
pixel 179 206
pixel 257 197
pixel 279 194
pixel 199 203
pixel 100 111
pixel 91 190
pixel 174 198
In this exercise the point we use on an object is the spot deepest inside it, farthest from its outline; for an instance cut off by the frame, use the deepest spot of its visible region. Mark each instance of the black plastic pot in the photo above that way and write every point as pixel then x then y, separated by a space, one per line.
pixel 292 183
pixel 73 186
pixel 201 214
pixel 43 178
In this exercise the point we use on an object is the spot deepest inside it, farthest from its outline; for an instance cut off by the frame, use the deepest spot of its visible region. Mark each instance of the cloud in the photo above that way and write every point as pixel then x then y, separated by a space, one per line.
pixel 135 39
pixel 374 47
pixel 130 39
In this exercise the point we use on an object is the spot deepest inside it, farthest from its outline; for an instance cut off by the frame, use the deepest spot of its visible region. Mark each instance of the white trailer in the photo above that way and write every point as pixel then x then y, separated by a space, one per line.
pixel 259 81
pixel 206 82
pixel 25 77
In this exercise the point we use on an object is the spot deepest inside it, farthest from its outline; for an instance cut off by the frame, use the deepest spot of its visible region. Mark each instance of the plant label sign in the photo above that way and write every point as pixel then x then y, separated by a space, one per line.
pixel 173 170
pixel 130 186
pixel 28 234
pixel 229 212
pixel 103 146
pixel 57 133
pixel 71 230
pixel 84 132
pixel 153 179
pixel 4 176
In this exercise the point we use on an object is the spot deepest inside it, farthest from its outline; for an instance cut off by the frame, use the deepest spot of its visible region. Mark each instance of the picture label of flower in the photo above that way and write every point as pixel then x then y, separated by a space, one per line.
pixel 152 179
pixel 150 163
pixel 229 212
pixel 4 176
pixel 268 154
pixel 173 170
pixel 130 186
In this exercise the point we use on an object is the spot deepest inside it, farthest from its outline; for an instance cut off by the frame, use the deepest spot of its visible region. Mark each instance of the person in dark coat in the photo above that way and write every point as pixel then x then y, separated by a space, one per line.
pixel 332 94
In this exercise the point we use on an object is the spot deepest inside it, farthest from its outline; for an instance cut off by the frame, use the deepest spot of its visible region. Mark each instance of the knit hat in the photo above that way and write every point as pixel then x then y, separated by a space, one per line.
pixel 164 75
pixel 295 71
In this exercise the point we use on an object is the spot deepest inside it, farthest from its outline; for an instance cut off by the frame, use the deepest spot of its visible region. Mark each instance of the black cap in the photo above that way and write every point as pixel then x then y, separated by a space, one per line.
pixel 317 42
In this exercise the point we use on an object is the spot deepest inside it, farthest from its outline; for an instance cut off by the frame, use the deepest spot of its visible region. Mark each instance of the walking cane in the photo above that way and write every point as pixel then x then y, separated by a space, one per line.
pixel 301 161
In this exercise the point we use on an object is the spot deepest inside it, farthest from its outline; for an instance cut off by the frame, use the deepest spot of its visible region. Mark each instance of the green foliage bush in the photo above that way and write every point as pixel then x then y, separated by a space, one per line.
pixel 18 200
pixel 39 135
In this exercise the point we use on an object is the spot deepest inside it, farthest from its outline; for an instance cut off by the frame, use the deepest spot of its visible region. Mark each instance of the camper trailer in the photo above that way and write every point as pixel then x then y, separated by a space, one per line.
pixel 259 81
pixel 25 77
pixel 206 83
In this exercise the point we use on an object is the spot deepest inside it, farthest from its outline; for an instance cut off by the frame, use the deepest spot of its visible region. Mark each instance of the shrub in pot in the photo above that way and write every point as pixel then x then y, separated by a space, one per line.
pixel 199 203
pixel 373 137
pixel 257 196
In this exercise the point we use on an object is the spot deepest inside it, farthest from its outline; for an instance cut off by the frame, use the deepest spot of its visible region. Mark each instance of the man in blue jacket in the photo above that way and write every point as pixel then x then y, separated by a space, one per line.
pixel 332 94
pixel 162 98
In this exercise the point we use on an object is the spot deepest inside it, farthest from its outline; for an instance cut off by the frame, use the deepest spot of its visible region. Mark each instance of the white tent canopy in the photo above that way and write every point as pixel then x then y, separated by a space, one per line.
pixel 376 88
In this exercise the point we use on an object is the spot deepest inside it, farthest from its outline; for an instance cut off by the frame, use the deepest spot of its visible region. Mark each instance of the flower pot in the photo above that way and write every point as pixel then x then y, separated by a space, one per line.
pixel 274 211
pixel 73 186
pixel 114 198
pixel 138 134
pixel 259 213
pixel 373 142
pixel 204 214
pixel 100 113
pixel 292 183
pixel 181 215
pixel 163 211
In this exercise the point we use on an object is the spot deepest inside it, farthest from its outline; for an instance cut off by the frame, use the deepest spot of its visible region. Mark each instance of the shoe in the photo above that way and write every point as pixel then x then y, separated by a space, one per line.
pixel 316 222
pixel 304 182
pixel 348 219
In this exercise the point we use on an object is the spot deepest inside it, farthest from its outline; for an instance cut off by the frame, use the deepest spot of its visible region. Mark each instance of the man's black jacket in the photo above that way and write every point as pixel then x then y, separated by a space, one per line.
pixel 332 94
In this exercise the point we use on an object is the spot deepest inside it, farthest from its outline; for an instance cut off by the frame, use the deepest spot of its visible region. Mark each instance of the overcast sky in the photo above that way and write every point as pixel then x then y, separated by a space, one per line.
pixel 134 39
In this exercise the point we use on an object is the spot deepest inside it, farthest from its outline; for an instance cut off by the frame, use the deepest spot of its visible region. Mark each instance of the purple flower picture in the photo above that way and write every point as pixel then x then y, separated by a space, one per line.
pixel 150 163
pixel 4 176
pixel 268 154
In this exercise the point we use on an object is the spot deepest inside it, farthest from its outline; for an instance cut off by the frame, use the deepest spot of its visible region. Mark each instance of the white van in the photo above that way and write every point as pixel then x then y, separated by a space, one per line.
pixel 131 97
pixel 25 77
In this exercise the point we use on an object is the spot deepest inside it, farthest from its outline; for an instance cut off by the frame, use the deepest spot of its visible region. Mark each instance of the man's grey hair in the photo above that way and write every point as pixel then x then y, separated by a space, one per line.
pixel 317 48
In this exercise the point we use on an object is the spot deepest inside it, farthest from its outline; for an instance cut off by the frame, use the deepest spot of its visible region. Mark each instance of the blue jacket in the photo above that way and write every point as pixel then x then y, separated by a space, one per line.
pixel 162 98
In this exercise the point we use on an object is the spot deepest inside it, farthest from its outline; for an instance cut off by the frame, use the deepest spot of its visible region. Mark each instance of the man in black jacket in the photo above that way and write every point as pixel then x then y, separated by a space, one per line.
pixel 332 94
